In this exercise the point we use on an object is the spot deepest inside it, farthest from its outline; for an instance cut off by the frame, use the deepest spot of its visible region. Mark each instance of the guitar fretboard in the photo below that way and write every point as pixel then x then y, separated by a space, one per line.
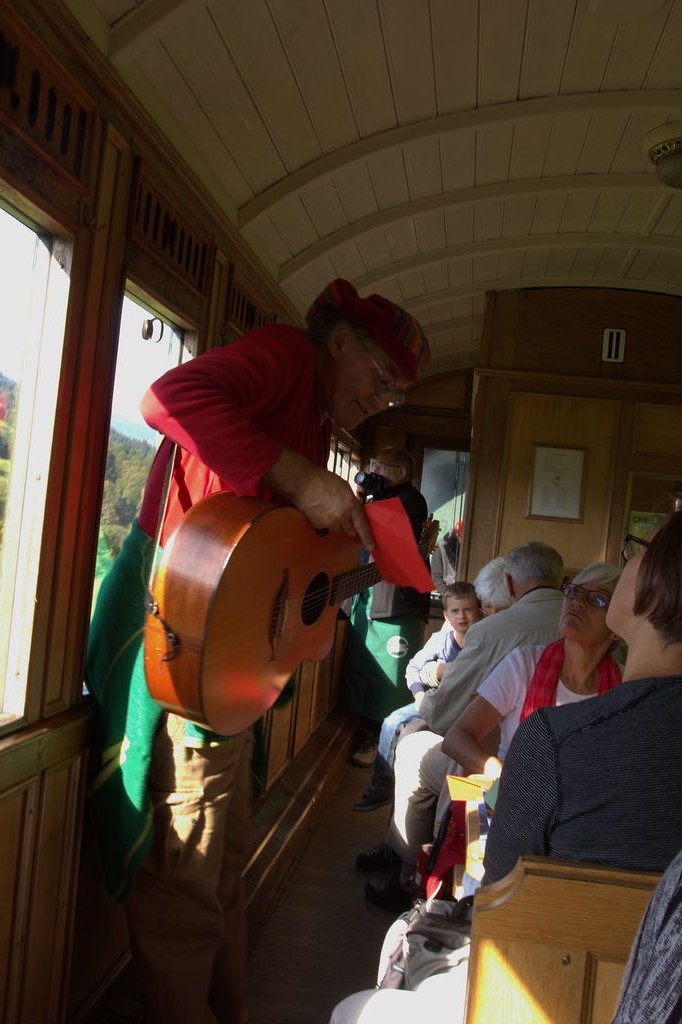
pixel 349 583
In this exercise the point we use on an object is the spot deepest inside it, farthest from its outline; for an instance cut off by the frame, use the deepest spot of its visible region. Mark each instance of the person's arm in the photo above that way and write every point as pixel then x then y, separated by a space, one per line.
pixel 326 499
pixel 527 801
pixel 440 670
pixel 212 406
pixel 499 696
pixel 462 741
pixel 653 977
pixel 429 652
pixel 462 677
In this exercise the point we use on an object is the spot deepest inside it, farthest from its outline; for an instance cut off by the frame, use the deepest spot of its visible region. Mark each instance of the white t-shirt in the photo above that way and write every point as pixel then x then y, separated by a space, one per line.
pixel 506 687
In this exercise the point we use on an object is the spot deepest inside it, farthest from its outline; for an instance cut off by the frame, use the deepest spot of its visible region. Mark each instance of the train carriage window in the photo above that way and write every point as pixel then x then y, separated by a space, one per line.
pixel 344 459
pixel 444 484
pixel 147 347
pixel 33 298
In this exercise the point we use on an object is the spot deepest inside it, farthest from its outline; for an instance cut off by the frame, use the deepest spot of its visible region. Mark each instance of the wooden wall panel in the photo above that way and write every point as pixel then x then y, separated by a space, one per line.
pixel 17 838
pixel 658 430
pixel 438 414
pixel 560 330
pixel 52 894
pixel 322 704
pixel 337 658
pixel 447 392
pixel 246 308
pixel 546 344
pixel 560 422
pixel 39 851
pixel 304 704
pixel 279 739
pixel 49 130
pixel 42 777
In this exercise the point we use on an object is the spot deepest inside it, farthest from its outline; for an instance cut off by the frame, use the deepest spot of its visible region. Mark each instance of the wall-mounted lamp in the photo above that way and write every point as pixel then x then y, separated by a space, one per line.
pixel 663 146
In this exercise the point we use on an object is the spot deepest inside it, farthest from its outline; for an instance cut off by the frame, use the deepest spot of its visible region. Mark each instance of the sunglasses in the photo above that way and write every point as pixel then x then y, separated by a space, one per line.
pixel 592 597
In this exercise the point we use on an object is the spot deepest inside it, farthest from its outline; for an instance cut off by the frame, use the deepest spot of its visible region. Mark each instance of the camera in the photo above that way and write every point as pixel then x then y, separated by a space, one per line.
pixel 371 483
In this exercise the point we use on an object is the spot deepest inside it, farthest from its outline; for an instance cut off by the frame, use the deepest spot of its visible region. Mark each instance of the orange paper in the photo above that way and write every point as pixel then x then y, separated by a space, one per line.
pixel 395 552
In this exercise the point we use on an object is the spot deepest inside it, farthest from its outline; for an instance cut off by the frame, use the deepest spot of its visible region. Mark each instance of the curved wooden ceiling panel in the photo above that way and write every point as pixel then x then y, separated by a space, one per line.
pixel 429 149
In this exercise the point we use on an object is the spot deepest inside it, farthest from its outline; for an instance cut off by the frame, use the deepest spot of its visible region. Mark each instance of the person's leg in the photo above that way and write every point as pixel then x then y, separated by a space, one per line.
pixel 391 729
pixel 376 1007
pixel 176 920
pixel 417 785
pixel 438 767
pixel 380 789
pixel 439 993
pixel 228 989
pixel 411 825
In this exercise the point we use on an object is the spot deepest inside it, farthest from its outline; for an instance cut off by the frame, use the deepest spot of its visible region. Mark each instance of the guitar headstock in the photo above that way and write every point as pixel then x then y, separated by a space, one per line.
pixel 430 531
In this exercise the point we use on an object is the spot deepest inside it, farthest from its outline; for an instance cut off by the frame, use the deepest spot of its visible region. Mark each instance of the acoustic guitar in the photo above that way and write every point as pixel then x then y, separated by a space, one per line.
pixel 244 591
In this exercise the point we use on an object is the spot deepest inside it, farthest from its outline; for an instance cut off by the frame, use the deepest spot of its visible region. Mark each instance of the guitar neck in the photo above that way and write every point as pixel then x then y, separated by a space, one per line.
pixel 347 584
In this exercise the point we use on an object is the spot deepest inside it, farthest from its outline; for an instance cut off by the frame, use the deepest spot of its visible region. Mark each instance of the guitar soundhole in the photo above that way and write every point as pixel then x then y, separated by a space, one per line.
pixel 315 599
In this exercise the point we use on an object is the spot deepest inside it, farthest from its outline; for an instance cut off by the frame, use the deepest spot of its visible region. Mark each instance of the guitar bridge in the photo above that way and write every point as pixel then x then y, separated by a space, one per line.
pixel 279 615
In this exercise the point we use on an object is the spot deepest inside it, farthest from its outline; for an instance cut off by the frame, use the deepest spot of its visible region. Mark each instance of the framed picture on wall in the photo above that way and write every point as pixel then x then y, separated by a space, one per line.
pixel 557 483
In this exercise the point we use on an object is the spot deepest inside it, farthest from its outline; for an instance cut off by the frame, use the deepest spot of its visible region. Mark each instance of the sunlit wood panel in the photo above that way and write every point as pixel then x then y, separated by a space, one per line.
pixel 17 837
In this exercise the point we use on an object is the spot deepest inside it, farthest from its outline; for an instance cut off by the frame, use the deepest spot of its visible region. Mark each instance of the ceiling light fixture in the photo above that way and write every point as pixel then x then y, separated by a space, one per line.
pixel 663 147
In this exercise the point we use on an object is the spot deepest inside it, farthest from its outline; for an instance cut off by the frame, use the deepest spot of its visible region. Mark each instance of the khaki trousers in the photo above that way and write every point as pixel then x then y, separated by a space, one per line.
pixel 186 910
pixel 419 787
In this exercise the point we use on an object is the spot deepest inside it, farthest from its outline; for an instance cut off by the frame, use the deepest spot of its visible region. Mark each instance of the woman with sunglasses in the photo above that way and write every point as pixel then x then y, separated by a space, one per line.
pixel 569 670
pixel 600 781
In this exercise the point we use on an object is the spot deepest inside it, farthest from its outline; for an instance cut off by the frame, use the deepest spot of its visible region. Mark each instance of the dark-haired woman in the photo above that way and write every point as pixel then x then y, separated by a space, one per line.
pixel 599 780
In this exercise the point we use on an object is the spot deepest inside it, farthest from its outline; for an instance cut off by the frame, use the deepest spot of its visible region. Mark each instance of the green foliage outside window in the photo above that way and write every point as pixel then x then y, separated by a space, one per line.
pixel 128 463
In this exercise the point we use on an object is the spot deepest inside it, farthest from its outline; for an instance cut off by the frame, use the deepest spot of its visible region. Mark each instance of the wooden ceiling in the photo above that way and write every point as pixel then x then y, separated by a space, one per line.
pixel 430 150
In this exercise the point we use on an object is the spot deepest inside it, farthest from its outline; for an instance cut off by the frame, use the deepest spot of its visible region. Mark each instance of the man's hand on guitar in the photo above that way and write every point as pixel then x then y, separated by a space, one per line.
pixel 324 498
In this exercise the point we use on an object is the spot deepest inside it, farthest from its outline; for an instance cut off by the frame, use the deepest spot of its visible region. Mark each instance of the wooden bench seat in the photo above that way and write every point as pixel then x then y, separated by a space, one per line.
pixel 551 940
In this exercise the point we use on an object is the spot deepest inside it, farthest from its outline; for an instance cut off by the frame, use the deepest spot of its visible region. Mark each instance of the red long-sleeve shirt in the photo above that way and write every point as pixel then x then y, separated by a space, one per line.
pixel 232 411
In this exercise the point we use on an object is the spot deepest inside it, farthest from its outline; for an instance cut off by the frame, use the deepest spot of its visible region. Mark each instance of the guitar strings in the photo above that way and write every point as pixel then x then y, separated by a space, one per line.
pixel 345 585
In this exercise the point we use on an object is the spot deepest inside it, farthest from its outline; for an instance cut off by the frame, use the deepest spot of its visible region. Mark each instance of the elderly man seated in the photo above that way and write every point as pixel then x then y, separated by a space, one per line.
pixel 534 573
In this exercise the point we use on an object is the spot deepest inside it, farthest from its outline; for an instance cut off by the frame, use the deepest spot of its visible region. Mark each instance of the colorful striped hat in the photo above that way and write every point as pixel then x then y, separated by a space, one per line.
pixel 398 333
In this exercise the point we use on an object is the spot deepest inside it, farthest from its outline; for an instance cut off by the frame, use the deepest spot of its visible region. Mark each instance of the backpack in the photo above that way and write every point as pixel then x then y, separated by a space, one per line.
pixel 431 938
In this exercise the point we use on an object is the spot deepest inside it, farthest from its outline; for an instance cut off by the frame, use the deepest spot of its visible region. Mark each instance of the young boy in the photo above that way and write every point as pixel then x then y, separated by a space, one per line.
pixel 460 609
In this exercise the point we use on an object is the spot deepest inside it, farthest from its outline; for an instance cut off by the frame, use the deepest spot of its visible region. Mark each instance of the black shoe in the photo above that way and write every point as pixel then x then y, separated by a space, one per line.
pixel 381 856
pixel 391 895
pixel 377 794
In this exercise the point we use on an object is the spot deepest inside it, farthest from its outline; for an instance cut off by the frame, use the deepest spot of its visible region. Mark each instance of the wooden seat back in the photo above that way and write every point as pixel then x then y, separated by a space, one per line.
pixel 550 942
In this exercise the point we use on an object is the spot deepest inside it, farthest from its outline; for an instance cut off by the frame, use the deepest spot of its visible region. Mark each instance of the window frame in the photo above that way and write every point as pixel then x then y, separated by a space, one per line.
pixel 44 338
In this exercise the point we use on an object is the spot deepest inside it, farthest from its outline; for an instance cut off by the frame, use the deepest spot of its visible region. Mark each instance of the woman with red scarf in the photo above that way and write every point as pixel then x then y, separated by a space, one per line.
pixel 571 669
